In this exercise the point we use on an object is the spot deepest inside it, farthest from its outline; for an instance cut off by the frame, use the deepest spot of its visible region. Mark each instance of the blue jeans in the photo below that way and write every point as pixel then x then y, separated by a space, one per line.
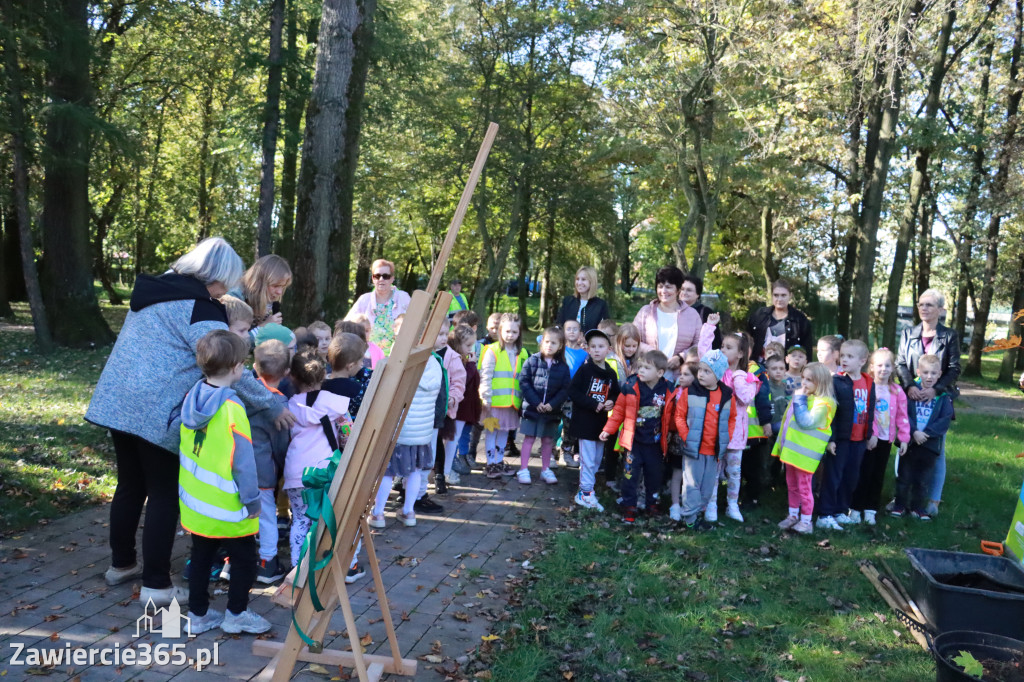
pixel 938 474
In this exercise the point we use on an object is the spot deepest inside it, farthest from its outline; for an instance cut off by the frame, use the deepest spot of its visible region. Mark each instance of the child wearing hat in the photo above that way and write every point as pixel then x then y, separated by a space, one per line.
pixel 705 414
pixel 593 391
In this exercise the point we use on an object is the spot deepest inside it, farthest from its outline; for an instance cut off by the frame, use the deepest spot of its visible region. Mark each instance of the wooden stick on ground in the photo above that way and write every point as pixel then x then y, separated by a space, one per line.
pixel 903 592
pixel 871 574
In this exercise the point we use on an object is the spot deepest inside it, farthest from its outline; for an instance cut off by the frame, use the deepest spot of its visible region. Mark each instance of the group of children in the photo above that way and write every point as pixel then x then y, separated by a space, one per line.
pixel 715 416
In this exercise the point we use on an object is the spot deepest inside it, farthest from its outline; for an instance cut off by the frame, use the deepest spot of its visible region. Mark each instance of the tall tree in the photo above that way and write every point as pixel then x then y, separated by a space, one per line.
pixel 999 205
pixel 323 155
pixel 271 118
pixel 71 304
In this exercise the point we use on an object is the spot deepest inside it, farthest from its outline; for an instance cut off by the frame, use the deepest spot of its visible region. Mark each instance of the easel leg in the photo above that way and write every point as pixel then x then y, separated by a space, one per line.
pixel 350 620
pixel 382 598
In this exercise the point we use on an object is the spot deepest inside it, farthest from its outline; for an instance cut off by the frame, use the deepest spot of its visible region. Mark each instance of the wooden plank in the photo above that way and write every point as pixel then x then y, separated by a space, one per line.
pixel 460 210
pixel 334 657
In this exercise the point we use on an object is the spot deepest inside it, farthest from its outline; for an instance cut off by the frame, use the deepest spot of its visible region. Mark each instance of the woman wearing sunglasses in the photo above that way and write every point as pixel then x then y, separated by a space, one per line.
pixel 382 304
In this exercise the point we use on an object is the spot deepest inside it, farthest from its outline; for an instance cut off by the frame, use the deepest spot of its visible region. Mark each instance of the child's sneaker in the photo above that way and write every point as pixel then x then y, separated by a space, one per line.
pixel 116 576
pixel 711 513
pixel 843 518
pixel 553 464
pixel 548 476
pixel 376 521
pixel 354 574
pixel 524 476
pixel 454 478
pixel 921 515
pixel 869 517
pixel 493 470
pixel 675 512
pixel 854 517
pixel 614 485
pixel 407 520
pixel 788 522
pixel 733 512
pixel 570 459
pixel 588 501
pixel 828 523
pixel 507 469
pixel 246 621
pixel 932 508
pixel 703 526
pixel 164 596
pixel 629 516
pixel 803 527
pixel 897 511
pixel 269 572
pixel 197 625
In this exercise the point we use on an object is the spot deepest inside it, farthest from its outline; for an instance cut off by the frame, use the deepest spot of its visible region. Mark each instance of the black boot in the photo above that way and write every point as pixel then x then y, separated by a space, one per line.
pixel 440 486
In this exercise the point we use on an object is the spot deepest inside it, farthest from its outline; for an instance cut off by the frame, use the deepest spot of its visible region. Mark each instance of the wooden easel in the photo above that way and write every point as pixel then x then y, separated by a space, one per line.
pixel 355 483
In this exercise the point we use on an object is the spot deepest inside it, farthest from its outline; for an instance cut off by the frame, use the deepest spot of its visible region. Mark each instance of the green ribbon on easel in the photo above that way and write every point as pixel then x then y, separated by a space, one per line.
pixel 316 494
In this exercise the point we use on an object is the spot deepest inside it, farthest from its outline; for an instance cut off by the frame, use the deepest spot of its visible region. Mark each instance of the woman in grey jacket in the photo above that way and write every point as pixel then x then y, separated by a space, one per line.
pixel 138 397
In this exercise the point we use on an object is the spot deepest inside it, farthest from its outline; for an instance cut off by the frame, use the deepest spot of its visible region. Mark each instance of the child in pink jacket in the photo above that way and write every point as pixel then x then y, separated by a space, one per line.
pixel 744 385
pixel 892 426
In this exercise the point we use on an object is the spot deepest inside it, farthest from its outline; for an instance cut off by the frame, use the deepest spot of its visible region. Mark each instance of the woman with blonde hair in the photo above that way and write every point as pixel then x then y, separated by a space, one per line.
pixel 584 306
pixel 263 286
pixel 382 305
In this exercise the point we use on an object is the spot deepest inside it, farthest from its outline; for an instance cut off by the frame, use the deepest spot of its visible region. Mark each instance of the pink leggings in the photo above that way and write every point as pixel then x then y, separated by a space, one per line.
pixel 546 446
pixel 799 485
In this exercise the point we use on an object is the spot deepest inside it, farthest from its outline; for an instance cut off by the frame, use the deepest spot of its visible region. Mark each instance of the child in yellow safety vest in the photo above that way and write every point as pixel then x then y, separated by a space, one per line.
pixel 500 394
pixel 218 492
pixel 803 437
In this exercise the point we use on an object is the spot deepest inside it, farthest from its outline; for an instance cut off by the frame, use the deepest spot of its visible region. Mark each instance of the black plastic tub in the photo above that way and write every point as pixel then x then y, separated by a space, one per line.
pixel 981 645
pixel 998 609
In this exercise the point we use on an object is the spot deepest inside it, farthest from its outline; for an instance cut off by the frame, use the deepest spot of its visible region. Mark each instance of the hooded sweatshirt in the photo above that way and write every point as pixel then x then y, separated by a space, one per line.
pixel 309 446
pixel 153 363
pixel 198 408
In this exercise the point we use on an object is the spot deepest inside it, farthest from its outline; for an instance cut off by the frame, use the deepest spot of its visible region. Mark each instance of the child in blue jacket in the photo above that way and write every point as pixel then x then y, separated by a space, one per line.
pixel 544 383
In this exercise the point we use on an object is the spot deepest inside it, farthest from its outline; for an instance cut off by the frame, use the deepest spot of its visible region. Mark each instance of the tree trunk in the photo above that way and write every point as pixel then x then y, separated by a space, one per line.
pixel 926 219
pixel 336 298
pixel 548 301
pixel 523 232
pixel 271 116
pixel 864 274
pixel 978 172
pixel 999 200
pixel 103 223
pixel 768 266
pixel 323 150
pixel 853 180
pixel 1007 367
pixel 295 101
pixel 74 313
pixel 203 195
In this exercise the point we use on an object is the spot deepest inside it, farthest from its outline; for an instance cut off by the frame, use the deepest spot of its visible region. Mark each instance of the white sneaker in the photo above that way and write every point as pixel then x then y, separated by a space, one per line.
pixel 376 521
pixel 453 478
pixel 733 512
pixel 588 501
pixel 200 624
pixel 554 463
pixel 524 477
pixel 828 523
pixel 163 597
pixel 247 621
pixel 711 512
pixel 675 512
pixel 843 518
pixel 116 576
pixel 854 517
pixel 869 517
pixel 548 476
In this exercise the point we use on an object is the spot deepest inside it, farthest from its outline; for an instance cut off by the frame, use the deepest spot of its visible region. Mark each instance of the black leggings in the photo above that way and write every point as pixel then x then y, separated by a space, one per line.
pixel 242 553
pixel 147 476
pixel 753 469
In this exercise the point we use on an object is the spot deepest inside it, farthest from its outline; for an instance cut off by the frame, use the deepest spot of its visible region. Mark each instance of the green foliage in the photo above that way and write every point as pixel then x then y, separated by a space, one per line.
pixel 969 663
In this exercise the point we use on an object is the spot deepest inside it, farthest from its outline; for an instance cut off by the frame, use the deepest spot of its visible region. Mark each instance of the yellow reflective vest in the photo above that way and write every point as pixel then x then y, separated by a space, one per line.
pixel 804 448
pixel 754 429
pixel 505 383
pixel 207 493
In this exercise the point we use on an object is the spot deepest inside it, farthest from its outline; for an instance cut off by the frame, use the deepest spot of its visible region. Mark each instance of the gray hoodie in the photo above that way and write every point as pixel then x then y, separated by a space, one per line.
pixel 201 403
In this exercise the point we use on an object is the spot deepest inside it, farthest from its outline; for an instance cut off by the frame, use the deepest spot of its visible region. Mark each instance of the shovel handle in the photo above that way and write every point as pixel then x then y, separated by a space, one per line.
pixel 993 548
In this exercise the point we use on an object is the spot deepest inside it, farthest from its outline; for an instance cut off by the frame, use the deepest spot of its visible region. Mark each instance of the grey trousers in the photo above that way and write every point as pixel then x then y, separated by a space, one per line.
pixel 700 478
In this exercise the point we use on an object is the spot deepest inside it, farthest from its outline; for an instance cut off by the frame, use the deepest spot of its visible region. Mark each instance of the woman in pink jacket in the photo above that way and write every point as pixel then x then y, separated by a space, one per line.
pixel 892 426
pixel 666 323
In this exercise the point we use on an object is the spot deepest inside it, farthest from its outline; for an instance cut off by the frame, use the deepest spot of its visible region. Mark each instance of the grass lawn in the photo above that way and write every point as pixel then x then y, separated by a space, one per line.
pixel 989 371
pixel 747 603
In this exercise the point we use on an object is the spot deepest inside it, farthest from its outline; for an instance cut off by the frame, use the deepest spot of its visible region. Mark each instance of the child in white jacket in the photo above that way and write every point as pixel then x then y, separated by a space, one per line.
pixel 414 449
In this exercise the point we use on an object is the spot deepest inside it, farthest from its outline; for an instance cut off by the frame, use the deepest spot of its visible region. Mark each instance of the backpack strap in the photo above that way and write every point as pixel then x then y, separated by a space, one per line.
pixel 332 439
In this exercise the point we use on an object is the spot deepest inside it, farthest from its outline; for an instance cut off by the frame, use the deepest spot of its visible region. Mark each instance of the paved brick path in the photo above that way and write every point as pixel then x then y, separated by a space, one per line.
pixel 446 581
